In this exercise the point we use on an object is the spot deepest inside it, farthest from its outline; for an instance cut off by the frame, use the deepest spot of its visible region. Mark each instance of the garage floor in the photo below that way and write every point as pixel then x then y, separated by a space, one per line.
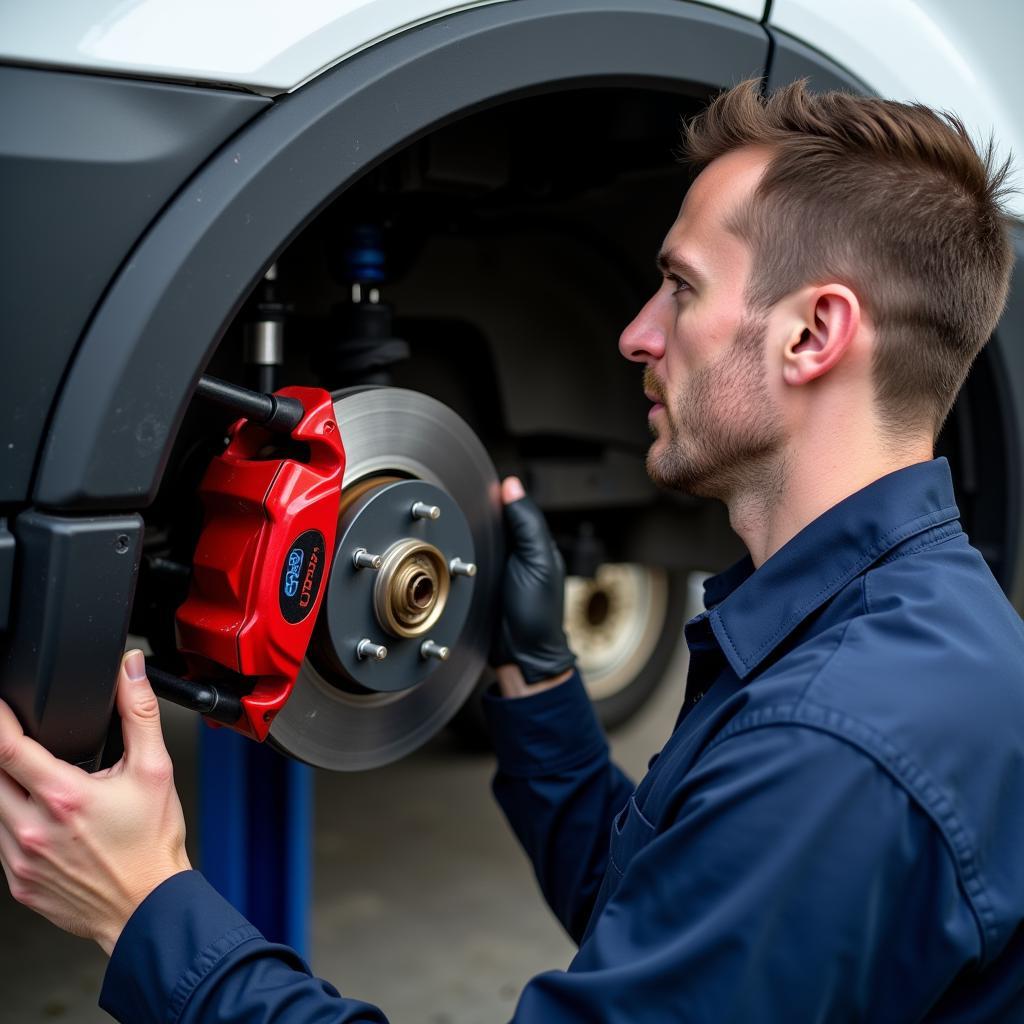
pixel 423 901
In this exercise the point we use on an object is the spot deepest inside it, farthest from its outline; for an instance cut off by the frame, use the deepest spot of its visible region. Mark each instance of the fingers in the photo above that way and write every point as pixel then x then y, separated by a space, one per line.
pixel 528 531
pixel 13 801
pixel 25 760
pixel 140 715
pixel 9 857
pixel 512 490
pixel 17 811
pixel 527 525
pixel 20 823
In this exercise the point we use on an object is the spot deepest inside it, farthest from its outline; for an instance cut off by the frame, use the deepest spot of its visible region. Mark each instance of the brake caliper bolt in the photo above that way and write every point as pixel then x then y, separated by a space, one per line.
pixel 421 510
pixel 428 649
pixel 457 567
pixel 362 559
pixel 368 649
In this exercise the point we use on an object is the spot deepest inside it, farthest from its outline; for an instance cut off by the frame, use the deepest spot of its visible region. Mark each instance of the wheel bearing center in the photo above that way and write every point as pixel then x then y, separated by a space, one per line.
pixel 412 588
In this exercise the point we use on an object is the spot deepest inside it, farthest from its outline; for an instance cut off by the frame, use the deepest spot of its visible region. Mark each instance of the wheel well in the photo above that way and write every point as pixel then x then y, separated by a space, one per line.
pixel 163 318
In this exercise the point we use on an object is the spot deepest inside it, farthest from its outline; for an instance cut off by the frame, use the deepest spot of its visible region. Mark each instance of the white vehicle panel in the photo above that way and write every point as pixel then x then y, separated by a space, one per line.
pixel 266 45
pixel 962 57
pixel 753 9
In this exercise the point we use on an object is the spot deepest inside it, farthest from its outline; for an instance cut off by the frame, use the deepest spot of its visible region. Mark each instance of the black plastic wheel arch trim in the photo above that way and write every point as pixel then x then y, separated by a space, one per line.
pixel 74 582
pixel 136 367
pixel 6 573
pixel 86 163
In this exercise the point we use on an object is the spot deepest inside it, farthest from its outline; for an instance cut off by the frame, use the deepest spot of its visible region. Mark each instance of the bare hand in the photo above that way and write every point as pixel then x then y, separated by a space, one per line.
pixel 85 850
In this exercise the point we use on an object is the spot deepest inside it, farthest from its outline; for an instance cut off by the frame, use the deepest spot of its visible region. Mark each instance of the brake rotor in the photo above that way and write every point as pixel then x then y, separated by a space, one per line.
pixel 435 581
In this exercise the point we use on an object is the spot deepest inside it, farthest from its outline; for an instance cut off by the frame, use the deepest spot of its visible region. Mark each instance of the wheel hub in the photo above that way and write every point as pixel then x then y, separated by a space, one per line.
pixel 392 586
pixel 429 600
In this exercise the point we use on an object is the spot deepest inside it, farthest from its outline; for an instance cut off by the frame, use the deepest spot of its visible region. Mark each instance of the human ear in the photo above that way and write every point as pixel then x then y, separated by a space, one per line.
pixel 828 323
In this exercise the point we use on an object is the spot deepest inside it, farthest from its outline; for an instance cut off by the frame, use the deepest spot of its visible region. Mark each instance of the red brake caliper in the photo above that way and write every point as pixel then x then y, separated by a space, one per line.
pixel 263 557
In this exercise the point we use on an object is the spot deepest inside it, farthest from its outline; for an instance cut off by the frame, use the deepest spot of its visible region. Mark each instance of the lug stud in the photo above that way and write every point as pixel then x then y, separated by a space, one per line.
pixel 362 559
pixel 428 649
pixel 368 649
pixel 457 567
pixel 421 510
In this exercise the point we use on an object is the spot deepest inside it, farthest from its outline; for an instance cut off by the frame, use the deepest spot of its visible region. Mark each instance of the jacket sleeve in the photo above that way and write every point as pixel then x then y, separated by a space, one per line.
pixel 560 792
pixel 186 956
pixel 795 881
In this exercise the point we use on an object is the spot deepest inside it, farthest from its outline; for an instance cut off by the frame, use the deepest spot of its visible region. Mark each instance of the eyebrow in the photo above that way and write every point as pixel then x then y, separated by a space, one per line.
pixel 672 263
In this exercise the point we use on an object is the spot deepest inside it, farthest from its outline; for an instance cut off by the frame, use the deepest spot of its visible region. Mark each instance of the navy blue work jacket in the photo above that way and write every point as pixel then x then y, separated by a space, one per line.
pixel 833 832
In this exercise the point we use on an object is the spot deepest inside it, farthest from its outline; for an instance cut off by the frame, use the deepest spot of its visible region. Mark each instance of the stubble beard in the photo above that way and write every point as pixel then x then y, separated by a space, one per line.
pixel 725 437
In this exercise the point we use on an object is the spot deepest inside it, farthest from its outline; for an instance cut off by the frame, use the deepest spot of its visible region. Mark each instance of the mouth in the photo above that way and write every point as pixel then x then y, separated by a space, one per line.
pixel 654 392
pixel 656 403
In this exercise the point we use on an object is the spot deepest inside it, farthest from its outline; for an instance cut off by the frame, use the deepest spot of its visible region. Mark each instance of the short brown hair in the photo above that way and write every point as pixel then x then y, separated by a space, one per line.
pixel 893 200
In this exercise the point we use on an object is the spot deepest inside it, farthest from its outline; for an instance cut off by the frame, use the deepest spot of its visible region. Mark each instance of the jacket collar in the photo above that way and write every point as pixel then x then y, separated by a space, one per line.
pixel 751 613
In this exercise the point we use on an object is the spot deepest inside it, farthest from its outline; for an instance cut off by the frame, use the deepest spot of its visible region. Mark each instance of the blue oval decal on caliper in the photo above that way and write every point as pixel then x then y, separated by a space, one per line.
pixel 301 575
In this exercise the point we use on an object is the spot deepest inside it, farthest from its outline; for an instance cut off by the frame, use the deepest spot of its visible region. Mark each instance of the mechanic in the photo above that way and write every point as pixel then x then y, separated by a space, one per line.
pixel 834 830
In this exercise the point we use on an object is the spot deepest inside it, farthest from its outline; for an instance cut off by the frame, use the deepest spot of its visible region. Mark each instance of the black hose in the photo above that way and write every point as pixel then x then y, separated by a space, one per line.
pixel 217 704
pixel 275 412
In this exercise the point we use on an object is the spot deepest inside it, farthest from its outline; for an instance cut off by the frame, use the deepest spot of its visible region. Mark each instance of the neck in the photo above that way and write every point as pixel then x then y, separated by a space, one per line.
pixel 804 481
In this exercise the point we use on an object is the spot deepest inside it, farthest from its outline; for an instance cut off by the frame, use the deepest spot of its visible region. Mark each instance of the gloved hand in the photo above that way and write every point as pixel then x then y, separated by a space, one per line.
pixel 530 632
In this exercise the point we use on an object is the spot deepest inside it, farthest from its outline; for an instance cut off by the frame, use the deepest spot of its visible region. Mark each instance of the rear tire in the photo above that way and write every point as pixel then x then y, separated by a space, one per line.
pixel 624 626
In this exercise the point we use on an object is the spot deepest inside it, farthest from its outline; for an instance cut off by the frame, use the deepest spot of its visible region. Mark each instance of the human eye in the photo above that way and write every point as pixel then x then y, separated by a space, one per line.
pixel 679 285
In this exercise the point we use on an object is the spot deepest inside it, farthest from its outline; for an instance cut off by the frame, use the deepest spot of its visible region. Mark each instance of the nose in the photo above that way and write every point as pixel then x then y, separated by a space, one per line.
pixel 643 341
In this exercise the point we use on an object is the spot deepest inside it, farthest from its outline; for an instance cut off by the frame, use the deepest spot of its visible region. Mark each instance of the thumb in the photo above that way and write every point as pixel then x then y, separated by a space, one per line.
pixel 139 711
pixel 527 532
pixel 512 490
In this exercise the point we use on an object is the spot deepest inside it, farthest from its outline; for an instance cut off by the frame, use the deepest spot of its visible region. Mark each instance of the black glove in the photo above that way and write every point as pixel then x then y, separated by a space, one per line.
pixel 532 592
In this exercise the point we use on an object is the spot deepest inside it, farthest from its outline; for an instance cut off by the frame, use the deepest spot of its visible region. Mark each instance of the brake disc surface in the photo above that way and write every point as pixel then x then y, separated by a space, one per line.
pixel 330 720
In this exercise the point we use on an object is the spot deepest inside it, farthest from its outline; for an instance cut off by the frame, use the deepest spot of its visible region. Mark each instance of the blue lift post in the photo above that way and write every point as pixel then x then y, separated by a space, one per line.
pixel 256 828
pixel 256 819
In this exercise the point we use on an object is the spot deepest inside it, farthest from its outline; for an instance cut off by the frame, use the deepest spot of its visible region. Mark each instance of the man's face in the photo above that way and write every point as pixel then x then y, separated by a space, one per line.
pixel 716 421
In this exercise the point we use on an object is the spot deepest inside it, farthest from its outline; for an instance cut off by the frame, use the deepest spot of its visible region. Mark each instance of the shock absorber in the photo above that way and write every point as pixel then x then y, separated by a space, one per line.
pixel 362 348
pixel 264 333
